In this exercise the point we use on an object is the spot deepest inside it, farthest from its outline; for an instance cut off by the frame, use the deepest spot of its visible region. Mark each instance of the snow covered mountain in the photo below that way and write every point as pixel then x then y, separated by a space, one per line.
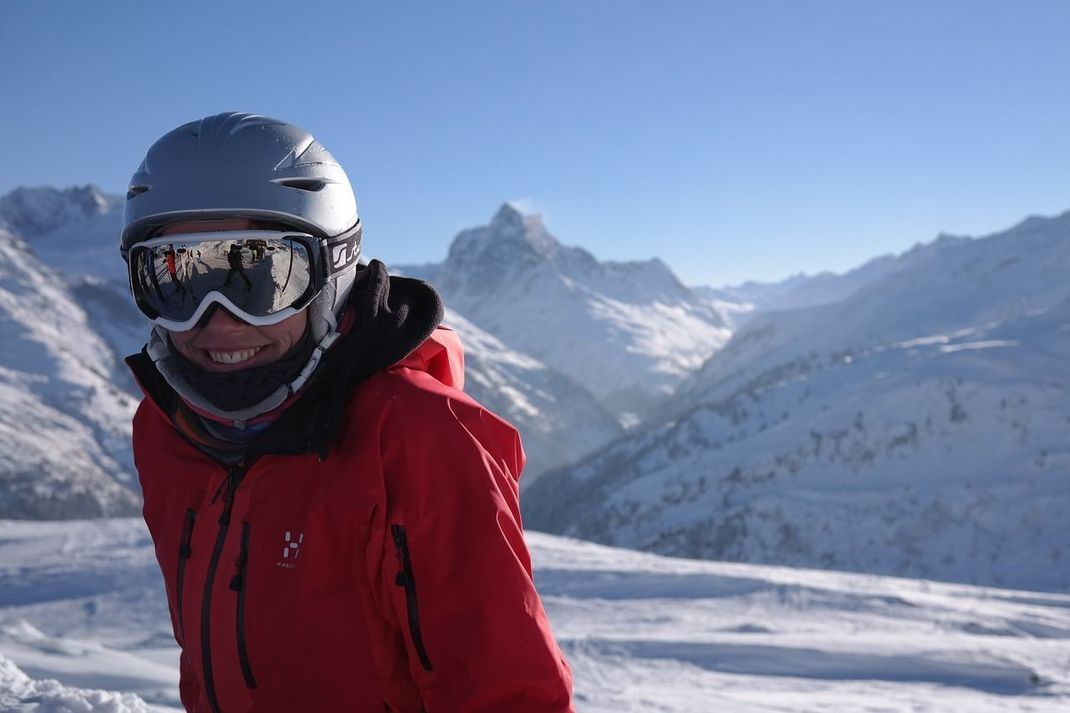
pixel 84 627
pixel 69 253
pixel 559 420
pixel 627 331
pixel 68 321
pixel 75 232
pixel 42 211
pixel 741 303
pixel 918 427
pixel 64 425
pixel 803 290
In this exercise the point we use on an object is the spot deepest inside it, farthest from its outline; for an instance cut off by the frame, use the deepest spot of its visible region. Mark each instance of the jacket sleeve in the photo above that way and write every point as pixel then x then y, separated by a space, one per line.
pixel 189 690
pixel 458 569
pixel 189 687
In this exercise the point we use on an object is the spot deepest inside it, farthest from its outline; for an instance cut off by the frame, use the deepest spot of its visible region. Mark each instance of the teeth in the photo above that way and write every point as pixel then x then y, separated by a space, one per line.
pixel 232 357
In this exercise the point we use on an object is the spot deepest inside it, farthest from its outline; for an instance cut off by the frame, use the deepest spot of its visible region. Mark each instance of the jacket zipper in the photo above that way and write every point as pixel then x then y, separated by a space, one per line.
pixel 406 579
pixel 180 578
pixel 226 489
pixel 237 584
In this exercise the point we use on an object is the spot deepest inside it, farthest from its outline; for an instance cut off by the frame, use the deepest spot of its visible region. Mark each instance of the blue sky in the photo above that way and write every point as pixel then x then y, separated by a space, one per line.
pixel 745 140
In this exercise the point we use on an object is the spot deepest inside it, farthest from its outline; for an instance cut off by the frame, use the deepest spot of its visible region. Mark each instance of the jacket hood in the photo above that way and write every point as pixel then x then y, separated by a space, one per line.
pixel 390 317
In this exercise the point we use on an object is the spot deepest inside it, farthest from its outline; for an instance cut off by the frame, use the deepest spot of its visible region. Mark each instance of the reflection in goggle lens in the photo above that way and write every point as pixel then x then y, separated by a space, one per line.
pixel 259 276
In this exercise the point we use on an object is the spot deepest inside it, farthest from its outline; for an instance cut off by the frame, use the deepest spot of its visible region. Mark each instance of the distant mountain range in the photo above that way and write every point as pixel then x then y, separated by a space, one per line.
pixel 908 417
pixel 68 321
pixel 915 421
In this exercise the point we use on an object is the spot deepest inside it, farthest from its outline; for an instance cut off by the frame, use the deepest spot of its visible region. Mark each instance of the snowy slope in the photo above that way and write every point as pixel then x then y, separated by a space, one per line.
pixel 917 427
pixel 558 420
pixel 83 603
pixel 629 332
pixel 945 286
pixel 75 231
pixel 64 426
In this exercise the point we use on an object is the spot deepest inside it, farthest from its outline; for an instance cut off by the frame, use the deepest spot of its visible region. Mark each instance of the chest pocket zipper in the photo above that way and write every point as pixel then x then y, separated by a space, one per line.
pixel 180 576
pixel 238 584
pixel 406 579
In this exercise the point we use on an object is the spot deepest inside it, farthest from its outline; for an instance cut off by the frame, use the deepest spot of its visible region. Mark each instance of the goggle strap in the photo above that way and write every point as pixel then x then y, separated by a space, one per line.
pixel 343 250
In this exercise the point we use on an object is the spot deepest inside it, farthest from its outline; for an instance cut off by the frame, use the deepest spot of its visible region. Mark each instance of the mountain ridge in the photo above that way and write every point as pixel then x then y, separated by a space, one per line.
pixel 627 331
pixel 31 211
pixel 878 433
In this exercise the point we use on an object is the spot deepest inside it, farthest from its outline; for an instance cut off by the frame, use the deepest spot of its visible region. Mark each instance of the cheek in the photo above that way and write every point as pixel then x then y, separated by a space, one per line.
pixel 181 341
pixel 296 334
pixel 288 332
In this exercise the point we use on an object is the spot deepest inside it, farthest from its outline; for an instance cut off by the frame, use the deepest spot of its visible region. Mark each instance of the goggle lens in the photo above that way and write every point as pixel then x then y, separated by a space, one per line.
pixel 259 276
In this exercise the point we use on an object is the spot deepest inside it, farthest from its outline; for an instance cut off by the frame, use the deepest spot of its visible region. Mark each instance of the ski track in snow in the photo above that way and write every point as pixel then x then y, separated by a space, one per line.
pixel 84 627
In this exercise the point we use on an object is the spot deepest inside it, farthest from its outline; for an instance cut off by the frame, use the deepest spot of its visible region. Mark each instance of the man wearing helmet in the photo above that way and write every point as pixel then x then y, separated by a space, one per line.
pixel 337 523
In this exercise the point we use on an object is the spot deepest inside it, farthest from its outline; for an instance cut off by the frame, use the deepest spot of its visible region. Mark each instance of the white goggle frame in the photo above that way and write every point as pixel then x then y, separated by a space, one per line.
pixel 217 298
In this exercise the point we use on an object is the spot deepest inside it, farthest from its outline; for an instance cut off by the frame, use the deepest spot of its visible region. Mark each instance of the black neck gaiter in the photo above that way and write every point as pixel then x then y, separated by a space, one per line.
pixel 236 390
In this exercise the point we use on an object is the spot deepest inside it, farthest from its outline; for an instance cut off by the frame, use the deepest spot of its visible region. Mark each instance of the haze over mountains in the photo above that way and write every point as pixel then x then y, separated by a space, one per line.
pixel 906 417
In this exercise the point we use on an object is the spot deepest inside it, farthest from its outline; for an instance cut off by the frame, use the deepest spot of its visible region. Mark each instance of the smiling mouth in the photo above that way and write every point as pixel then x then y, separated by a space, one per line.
pixel 233 357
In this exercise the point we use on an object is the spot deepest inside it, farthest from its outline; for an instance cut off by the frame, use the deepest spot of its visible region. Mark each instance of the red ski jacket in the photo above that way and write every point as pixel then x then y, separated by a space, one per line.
pixel 391 576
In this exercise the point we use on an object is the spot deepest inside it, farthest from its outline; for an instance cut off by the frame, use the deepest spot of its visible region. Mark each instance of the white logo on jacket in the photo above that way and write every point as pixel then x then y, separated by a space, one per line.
pixel 291 548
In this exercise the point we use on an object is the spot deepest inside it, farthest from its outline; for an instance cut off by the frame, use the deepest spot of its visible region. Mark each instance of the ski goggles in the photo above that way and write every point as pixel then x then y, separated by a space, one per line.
pixel 260 276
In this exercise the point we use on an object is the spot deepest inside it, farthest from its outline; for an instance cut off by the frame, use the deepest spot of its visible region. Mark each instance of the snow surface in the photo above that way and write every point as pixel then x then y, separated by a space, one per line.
pixel 18 693
pixel 84 627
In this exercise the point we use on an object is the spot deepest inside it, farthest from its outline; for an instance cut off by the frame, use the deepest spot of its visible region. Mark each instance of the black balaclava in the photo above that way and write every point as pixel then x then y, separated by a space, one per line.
pixel 234 390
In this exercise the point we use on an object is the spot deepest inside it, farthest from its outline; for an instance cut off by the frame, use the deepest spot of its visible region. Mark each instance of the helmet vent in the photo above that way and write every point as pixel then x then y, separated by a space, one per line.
pixel 304 184
pixel 135 191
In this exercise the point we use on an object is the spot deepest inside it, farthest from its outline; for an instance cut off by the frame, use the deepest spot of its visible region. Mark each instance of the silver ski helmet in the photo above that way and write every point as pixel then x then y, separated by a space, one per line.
pixel 244 165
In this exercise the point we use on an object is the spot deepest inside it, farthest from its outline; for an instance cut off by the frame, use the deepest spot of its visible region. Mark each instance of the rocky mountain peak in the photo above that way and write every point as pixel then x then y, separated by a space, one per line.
pixel 33 212
pixel 510 218
pixel 511 238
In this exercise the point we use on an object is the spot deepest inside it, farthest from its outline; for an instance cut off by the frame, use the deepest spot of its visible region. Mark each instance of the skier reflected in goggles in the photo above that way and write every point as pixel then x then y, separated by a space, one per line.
pixel 262 277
